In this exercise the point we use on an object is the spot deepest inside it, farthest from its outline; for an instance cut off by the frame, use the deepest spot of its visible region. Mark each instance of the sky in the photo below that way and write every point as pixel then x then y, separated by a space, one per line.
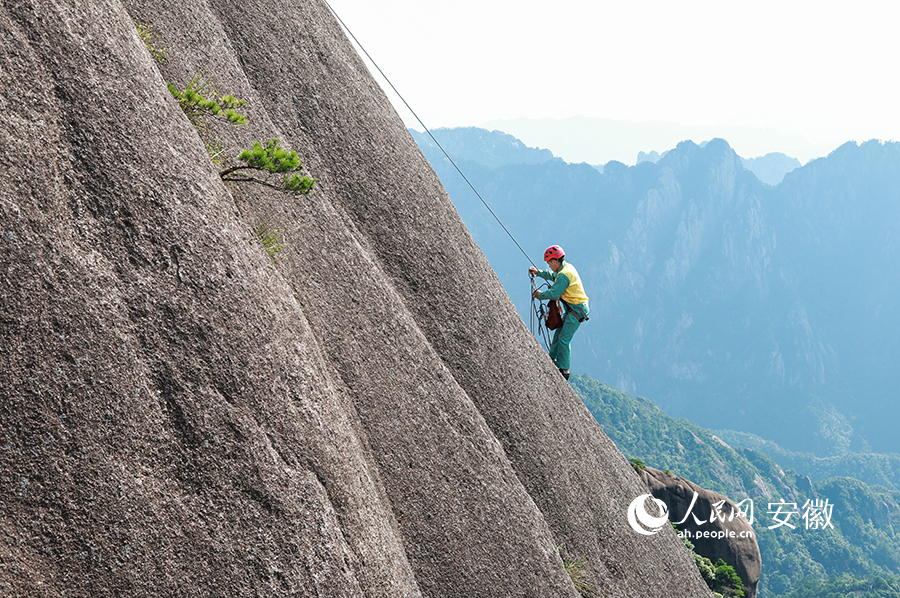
pixel 822 71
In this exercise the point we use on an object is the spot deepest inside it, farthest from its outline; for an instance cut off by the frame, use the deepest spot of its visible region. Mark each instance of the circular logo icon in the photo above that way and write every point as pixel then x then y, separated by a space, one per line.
pixel 643 522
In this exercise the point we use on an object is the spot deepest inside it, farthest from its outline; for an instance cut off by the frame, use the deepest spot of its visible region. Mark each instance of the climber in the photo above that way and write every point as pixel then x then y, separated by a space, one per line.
pixel 566 287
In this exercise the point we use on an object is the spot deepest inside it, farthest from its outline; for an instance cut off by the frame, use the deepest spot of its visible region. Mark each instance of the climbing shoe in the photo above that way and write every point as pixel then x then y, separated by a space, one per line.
pixel 565 374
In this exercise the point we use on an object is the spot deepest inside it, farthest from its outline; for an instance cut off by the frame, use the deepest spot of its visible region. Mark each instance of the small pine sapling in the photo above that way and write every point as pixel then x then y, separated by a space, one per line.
pixel 146 34
pixel 575 568
pixel 271 160
pixel 200 103
pixel 271 238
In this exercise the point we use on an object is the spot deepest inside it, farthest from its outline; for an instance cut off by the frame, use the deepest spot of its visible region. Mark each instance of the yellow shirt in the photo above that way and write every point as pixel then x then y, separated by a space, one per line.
pixel 574 293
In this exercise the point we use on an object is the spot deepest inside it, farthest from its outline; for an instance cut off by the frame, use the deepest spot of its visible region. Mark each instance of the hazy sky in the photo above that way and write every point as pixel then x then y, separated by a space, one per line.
pixel 823 69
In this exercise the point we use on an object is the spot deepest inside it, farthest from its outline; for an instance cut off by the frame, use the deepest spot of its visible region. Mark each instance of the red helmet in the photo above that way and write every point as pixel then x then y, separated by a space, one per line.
pixel 554 251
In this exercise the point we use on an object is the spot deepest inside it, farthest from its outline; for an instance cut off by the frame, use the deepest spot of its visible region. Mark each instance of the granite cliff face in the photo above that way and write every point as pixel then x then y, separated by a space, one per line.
pixel 182 416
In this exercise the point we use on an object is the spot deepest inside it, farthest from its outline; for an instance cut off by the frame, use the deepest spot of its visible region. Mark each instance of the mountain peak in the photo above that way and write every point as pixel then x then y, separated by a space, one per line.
pixel 489 148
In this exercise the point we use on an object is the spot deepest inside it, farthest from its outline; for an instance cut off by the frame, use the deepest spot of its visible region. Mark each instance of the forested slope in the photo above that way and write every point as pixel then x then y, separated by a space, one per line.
pixel 862 541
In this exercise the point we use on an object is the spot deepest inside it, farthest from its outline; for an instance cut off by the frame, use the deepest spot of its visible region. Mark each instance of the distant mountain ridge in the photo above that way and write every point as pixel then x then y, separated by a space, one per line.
pixel 599 140
pixel 770 169
pixel 490 148
pixel 496 148
pixel 874 469
pixel 740 305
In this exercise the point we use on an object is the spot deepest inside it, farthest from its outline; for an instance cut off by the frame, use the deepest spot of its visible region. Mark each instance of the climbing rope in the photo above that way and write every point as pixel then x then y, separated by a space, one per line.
pixel 539 315
pixel 436 142
pixel 537 307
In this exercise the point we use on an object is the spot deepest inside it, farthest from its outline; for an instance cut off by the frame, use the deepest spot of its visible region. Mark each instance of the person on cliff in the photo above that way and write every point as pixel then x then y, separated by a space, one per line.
pixel 567 288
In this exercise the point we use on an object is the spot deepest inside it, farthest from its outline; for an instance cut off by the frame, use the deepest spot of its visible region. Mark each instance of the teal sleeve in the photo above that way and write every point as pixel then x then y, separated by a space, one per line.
pixel 556 291
pixel 547 274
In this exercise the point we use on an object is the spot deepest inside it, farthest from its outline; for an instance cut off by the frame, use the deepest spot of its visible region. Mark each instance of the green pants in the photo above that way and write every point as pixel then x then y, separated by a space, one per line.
pixel 562 336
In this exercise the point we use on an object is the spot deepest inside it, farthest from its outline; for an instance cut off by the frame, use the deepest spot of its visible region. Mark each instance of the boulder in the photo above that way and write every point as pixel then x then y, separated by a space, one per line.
pixel 710 521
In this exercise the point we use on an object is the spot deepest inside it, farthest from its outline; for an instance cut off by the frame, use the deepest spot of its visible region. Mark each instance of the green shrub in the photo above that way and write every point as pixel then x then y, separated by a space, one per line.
pixel 200 103
pixel 637 464
pixel 271 161
pixel 575 569
pixel 262 164
pixel 721 578
pixel 728 582
pixel 146 34
pixel 271 238
pixel 216 150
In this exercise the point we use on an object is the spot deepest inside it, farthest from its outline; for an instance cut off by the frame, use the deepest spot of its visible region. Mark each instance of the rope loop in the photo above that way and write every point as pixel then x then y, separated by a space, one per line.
pixel 539 314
